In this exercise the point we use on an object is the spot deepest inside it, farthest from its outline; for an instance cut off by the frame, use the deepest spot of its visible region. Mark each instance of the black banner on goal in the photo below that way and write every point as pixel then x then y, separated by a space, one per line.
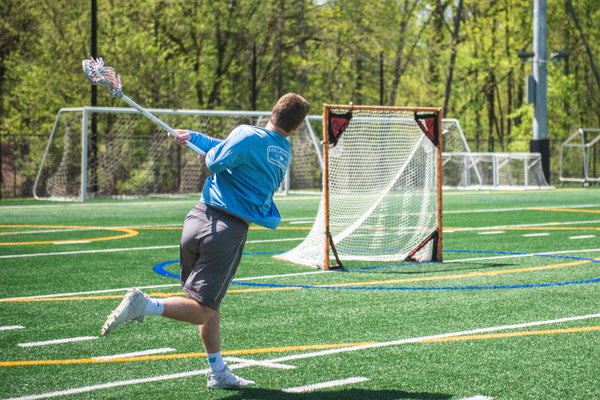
pixel 337 125
pixel 429 126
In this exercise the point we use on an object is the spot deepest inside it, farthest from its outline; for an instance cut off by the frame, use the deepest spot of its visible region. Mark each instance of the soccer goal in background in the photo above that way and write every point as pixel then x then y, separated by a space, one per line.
pixel 382 188
pixel 580 157
pixel 130 156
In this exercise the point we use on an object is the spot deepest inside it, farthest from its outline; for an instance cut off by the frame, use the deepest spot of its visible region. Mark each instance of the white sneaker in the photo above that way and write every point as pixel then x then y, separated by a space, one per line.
pixel 226 379
pixel 131 309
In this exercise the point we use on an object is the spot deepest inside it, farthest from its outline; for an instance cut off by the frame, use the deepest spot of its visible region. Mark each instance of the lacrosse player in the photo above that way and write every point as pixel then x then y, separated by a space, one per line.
pixel 247 168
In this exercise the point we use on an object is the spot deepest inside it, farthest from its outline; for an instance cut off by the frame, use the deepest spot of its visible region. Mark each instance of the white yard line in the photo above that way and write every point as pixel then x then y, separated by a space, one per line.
pixel 136 354
pixel 262 363
pixel 322 353
pixel 64 253
pixel 323 385
pixel 11 327
pixel 110 385
pixel 57 341
pixel 431 337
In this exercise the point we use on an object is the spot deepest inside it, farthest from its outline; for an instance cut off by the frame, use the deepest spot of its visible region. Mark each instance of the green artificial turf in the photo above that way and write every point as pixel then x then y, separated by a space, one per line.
pixel 518 267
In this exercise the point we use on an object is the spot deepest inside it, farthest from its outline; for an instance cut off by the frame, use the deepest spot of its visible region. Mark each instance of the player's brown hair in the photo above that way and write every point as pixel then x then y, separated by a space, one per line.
pixel 290 111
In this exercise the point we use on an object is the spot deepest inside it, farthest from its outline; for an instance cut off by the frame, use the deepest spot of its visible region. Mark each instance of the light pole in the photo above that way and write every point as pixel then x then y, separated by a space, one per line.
pixel 540 142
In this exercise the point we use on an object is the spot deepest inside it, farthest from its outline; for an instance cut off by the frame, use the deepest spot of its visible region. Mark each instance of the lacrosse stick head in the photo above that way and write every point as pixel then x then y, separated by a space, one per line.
pixel 102 76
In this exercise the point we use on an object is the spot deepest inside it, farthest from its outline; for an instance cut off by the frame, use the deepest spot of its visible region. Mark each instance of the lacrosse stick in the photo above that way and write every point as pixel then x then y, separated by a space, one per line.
pixel 105 77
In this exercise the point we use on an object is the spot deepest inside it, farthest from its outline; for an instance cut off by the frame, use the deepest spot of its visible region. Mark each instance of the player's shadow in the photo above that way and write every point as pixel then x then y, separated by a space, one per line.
pixel 347 394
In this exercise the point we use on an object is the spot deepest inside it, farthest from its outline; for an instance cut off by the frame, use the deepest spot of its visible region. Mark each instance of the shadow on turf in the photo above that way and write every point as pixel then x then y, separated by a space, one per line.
pixel 348 394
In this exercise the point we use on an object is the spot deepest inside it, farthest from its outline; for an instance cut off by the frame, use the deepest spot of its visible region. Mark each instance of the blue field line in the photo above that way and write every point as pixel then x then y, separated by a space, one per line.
pixel 160 269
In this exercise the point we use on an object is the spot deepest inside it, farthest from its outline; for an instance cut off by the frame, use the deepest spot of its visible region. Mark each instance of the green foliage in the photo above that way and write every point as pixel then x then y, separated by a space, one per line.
pixel 198 55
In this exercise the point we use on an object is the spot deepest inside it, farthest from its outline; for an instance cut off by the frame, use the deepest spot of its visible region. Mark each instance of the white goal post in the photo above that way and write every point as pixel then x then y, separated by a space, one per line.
pixel 579 160
pixel 134 157
pixel 382 187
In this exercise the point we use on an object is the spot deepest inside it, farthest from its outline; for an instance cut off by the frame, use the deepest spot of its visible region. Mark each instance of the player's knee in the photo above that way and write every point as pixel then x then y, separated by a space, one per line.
pixel 203 315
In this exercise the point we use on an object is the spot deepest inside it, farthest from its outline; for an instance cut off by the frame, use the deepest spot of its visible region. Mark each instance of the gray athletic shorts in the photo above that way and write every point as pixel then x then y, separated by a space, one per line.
pixel 211 247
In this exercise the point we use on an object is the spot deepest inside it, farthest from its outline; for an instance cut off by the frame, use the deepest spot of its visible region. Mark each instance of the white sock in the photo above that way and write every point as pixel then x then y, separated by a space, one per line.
pixel 215 361
pixel 154 307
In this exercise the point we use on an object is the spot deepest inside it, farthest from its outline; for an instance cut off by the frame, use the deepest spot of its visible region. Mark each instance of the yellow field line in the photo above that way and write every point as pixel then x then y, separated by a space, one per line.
pixel 271 289
pixel 129 232
pixel 293 348
pixel 511 334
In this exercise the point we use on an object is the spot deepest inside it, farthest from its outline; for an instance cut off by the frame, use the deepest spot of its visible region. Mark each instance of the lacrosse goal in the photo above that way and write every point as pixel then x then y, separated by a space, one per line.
pixel 133 157
pixel 382 187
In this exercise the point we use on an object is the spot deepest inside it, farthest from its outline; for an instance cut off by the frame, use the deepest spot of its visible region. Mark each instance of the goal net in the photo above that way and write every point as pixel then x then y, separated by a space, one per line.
pixel 463 169
pixel 579 157
pixel 381 187
pixel 117 152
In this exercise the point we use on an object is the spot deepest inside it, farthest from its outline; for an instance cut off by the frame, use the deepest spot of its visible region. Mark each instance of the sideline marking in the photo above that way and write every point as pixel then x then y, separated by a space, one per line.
pixel 323 385
pixel 477 397
pixel 300 356
pixel 57 341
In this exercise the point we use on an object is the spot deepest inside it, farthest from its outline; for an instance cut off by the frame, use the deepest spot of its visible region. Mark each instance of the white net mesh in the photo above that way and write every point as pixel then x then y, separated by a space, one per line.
pixel 494 171
pixel 383 196
pixel 134 157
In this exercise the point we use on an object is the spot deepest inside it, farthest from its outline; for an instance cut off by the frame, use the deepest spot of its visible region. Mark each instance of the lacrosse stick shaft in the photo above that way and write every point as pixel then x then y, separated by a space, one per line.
pixel 158 122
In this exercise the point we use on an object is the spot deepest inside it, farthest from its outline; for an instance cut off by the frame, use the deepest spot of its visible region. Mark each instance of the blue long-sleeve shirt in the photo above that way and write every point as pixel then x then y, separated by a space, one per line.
pixel 247 167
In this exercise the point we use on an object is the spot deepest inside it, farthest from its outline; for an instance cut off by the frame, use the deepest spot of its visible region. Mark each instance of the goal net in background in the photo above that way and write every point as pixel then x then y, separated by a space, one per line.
pixel 510 171
pixel 134 157
pixel 580 157
pixel 382 187
pixel 464 169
